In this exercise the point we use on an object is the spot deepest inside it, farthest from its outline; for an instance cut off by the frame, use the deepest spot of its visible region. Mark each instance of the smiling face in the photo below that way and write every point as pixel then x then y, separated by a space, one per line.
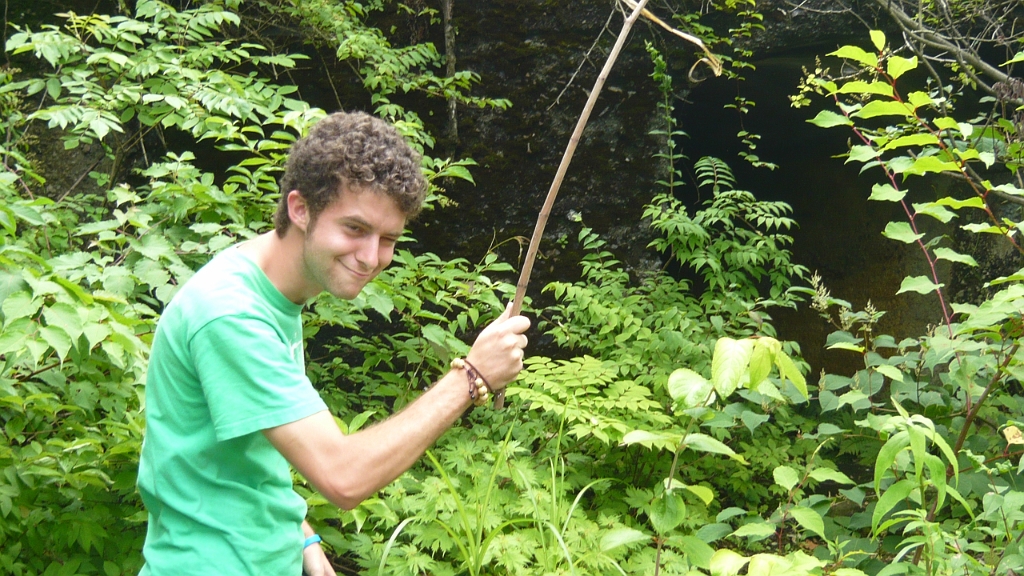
pixel 351 241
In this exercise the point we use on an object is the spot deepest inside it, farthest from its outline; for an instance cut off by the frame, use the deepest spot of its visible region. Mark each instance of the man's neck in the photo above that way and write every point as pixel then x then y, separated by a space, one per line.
pixel 281 260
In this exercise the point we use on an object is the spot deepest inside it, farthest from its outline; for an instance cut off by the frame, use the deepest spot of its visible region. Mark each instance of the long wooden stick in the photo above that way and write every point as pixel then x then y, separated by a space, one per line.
pixel 545 211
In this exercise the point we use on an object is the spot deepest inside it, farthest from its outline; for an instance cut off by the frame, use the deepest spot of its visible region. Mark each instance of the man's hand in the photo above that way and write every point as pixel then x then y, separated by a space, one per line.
pixel 498 351
pixel 315 562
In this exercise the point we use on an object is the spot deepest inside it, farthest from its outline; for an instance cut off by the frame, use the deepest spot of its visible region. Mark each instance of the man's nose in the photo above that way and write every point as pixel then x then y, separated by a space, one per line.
pixel 369 252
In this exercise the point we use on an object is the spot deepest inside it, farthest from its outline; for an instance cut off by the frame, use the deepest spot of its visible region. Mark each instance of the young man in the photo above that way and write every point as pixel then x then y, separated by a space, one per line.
pixel 228 404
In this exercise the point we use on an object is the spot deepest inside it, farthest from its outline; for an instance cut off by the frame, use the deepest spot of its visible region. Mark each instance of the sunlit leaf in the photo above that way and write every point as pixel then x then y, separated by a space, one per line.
pixel 897 65
pixel 919 284
pixel 954 256
pixel 902 232
pixel 829 119
pixel 878 39
pixel 786 477
pixel 726 562
pixel 622 537
pixel 858 54
pixel 877 108
pixel 886 193
pixel 809 520
pixel 729 364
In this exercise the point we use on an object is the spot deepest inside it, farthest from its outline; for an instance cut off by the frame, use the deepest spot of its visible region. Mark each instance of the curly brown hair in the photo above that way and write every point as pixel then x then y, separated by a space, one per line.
pixel 351 149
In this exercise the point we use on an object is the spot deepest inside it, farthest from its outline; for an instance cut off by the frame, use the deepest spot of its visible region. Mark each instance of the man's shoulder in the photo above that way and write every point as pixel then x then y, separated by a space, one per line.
pixel 224 286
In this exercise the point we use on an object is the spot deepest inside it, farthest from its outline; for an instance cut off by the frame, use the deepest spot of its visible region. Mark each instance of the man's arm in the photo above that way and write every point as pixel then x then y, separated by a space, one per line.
pixel 348 469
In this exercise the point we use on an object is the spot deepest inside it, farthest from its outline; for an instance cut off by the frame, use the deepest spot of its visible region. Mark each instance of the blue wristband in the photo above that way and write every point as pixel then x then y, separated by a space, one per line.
pixel 310 541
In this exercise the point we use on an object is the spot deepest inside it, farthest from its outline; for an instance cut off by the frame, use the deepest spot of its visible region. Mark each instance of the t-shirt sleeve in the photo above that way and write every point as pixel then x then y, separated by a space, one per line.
pixel 251 377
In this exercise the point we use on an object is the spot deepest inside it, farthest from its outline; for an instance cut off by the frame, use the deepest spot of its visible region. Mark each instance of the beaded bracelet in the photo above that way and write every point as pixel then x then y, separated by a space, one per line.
pixel 479 388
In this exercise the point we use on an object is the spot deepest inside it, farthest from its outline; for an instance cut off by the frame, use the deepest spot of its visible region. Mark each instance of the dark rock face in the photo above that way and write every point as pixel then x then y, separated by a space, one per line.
pixel 529 52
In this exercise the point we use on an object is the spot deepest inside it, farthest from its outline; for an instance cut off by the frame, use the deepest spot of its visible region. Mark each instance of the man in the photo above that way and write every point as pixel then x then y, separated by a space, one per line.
pixel 228 404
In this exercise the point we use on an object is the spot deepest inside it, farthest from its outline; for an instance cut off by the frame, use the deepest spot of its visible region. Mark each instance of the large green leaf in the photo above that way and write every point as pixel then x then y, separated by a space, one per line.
pixel 705 443
pixel 809 520
pixel 898 66
pixel 725 562
pixel 690 389
pixel 622 537
pixel 886 193
pixel 877 108
pixel 786 477
pixel 896 493
pixel 729 364
pixel 787 368
pixel 667 512
pixel 856 53
pixel 954 256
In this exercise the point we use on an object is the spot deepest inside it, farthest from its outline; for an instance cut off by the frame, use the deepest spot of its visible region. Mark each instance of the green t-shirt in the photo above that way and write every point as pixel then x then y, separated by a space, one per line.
pixel 227 363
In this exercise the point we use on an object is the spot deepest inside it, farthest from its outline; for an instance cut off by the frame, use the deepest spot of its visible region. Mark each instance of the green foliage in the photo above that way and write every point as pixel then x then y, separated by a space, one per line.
pixel 83 275
pixel 938 462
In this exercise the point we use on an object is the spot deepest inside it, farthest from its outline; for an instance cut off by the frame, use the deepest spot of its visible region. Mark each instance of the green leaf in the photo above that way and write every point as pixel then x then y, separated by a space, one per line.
pixel 725 562
pixel 829 119
pixel 58 339
pixel 828 474
pixel 20 305
pixel 856 53
pixel 66 317
pixel 752 419
pixel 897 65
pixel 755 530
pixel 861 87
pixel 702 492
pixel 436 334
pixel 1018 58
pixel 622 537
pixel 886 193
pixel 891 371
pixel 697 551
pixel 877 108
pixel 902 232
pixel 887 455
pixel 690 389
pixel 787 368
pixel 919 284
pixel 729 364
pixel 878 39
pixel 28 214
pixel 705 443
pixel 861 154
pixel 760 362
pixel 809 520
pixel 667 512
pixel 972 202
pixel 912 140
pixel 10 283
pixel 786 477
pixel 896 493
pixel 648 438
pixel 954 256
pixel 937 211
pixel 927 164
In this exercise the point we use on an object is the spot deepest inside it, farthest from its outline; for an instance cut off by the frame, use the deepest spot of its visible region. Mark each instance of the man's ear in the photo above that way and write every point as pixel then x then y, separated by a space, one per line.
pixel 298 210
